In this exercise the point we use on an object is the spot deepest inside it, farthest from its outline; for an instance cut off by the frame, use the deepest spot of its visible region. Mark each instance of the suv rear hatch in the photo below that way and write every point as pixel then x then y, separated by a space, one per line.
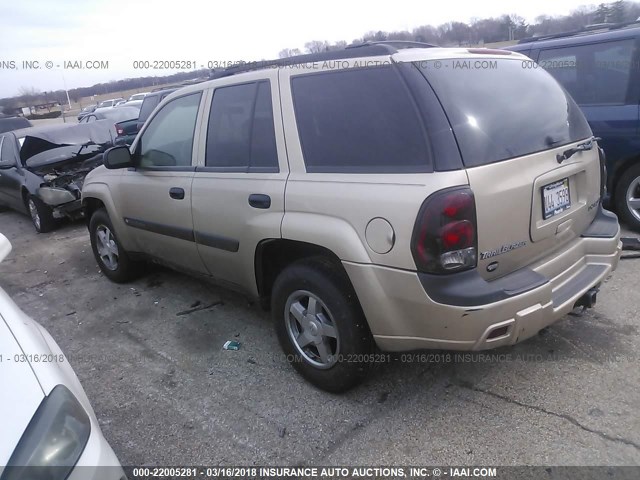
pixel 513 125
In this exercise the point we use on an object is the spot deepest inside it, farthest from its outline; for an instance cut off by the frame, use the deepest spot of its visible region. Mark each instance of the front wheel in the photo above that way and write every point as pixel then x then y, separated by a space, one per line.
pixel 41 215
pixel 111 257
pixel 628 197
pixel 320 324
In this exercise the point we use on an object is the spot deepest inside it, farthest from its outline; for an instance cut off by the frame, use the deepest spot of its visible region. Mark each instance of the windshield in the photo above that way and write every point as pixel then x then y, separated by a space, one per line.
pixel 499 110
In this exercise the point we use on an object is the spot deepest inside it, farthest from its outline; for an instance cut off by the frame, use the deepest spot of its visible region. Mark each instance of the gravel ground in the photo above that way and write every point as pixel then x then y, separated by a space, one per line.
pixel 166 392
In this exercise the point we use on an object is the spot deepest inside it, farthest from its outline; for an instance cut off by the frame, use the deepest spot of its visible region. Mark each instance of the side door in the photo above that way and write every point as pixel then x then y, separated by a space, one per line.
pixel 603 80
pixel 11 175
pixel 238 190
pixel 155 197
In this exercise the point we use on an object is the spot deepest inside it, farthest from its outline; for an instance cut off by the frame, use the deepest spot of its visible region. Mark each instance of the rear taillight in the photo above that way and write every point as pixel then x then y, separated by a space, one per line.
pixel 119 129
pixel 445 237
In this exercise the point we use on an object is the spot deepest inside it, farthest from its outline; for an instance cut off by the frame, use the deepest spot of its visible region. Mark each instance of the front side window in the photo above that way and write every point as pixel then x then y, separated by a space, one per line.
pixel 168 140
pixel 241 131
pixel 359 120
pixel 596 74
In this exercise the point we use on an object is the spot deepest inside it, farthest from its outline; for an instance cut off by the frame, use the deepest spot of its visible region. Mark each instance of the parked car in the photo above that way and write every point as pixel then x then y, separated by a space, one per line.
pixel 401 205
pixel 138 96
pixel 109 103
pixel 127 130
pixel 599 67
pixel 13 123
pixel 42 169
pixel 86 111
pixel 133 103
pixel 49 429
pixel 114 114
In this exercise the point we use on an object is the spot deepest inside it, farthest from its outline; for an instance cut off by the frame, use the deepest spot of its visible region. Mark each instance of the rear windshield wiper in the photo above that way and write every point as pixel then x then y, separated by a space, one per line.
pixel 588 145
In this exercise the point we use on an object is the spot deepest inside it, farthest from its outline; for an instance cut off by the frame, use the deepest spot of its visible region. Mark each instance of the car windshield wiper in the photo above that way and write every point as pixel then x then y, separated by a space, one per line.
pixel 588 145
pixel 89 143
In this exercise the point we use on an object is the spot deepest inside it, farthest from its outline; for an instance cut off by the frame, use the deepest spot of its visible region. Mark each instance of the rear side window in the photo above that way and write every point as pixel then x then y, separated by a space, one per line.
pixel 359 120
pixel 241 132
pixel 499 109
pixel 595 74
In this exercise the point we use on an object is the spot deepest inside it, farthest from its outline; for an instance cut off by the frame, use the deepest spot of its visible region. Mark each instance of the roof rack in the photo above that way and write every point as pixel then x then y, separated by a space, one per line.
pixel 604 27
pixel 367 49
pixel 166 87
pixel 397 44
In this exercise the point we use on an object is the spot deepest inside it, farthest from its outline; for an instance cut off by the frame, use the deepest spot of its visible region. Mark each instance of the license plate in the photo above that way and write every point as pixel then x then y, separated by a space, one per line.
pixel 555 198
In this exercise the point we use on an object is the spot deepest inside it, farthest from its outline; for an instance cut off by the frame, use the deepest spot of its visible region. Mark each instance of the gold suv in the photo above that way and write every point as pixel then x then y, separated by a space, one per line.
pixel 376 198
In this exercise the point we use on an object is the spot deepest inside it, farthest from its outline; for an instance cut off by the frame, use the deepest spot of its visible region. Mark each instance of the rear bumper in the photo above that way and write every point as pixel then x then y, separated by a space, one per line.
pixel 408 311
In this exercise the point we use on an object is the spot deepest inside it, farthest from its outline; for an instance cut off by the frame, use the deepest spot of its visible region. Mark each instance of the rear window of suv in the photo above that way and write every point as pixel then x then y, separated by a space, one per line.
pixel 359 120
pixel 500 109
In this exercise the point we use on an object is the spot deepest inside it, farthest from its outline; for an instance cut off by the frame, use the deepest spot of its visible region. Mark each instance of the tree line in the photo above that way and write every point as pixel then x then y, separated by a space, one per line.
pixel 29 96
pixel 490 30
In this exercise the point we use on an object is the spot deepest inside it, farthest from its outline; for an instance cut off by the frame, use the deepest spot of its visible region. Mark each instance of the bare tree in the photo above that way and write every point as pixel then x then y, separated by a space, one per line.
pixel 341 45
pixel 25 91
pixel 316 46
pixel 288 52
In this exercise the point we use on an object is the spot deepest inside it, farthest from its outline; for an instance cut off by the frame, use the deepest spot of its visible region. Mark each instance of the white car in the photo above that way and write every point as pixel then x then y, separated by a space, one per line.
pixel 138 96
pixel 48 428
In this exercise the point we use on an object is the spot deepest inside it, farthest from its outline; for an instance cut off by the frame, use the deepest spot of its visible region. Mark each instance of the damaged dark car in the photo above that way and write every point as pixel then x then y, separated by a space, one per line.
pixel 42 170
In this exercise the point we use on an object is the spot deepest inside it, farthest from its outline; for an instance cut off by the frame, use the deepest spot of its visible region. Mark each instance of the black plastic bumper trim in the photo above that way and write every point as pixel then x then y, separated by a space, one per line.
pixel 217 241
pixel 469 289
pixel 168 230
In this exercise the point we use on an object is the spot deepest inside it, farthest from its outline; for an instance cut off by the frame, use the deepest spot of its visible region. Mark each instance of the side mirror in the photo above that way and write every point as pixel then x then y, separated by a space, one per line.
pixel 118 157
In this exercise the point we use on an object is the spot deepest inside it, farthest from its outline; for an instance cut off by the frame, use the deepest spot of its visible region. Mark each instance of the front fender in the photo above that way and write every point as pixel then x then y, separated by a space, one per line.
pixel 98 190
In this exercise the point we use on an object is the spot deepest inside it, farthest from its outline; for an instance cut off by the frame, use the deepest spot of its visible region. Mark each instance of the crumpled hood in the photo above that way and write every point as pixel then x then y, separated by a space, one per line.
pixel 59 156
pixel 35 141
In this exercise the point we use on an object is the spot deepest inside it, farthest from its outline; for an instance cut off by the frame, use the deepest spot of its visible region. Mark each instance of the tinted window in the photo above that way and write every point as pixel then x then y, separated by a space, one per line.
pixel 241 132
pixel 503 110
pixel 593 74
pixel 358 120
pixel 168 140
pixel 149 103
pixel 8 124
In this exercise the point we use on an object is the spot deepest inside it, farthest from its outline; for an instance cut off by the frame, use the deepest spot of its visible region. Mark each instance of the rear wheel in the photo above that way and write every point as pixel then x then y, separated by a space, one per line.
pixel 320 324
pixel 41 215
pixel 111 257
pixel 628 197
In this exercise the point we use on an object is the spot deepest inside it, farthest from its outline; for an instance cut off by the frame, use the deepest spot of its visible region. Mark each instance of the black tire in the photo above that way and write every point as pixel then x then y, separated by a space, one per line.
pixel 350 352
pixel 631 176
pixel 41 215
pixel 101 232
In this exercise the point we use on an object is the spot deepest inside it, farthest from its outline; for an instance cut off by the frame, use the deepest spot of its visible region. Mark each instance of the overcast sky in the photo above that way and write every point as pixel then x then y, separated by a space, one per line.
pixel 121 31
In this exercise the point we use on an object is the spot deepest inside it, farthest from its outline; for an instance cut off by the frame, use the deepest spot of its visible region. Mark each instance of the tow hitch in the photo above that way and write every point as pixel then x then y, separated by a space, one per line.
pixel 588 300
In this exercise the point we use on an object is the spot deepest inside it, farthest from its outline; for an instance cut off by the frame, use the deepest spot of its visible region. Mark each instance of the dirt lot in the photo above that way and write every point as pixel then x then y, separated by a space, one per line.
pixel 166 392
